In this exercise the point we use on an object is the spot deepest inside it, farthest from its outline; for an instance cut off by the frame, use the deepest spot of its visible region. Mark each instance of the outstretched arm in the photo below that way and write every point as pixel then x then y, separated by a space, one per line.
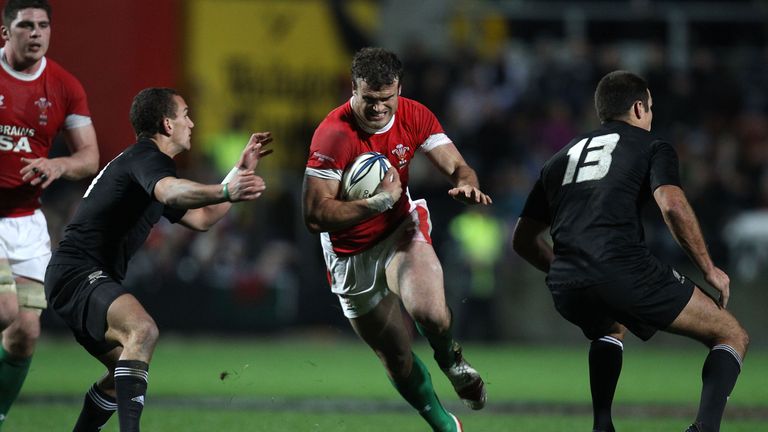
pixel 466 186
pixel 83 160
pixel 528 241
pixel 682 223
pixel 209 203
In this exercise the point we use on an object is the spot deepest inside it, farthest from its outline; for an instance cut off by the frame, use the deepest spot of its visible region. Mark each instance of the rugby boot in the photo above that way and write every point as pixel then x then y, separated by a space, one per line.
pixel 466 380
pixel 694 428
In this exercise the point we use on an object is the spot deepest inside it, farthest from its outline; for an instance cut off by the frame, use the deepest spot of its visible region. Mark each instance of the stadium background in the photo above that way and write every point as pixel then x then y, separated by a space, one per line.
pixel 511 81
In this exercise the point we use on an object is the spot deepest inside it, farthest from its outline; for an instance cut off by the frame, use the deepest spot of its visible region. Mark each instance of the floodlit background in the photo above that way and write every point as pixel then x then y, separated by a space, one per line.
pixel 511 82
pixel 252 339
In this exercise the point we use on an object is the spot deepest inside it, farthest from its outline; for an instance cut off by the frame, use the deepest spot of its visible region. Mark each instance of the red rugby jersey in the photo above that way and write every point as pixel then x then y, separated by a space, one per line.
pixel 338 140
pixel 33 108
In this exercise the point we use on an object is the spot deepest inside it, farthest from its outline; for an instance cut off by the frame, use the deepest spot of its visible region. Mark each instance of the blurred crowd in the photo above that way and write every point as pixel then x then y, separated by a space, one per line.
pixel 508 113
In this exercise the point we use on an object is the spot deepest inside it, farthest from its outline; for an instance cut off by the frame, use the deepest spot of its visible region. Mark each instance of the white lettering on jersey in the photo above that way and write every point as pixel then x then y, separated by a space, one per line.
pixel 16 130
pixel 597 158
pixel 22 145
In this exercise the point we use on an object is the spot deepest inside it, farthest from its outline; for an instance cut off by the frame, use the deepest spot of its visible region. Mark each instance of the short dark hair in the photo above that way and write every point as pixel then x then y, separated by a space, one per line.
pixel 377 67
pixel 616 92
pixel 150 106
pixel 12 8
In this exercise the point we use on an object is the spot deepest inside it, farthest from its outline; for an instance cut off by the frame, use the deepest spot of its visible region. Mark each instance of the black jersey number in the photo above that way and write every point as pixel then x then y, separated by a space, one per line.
pixel 595 156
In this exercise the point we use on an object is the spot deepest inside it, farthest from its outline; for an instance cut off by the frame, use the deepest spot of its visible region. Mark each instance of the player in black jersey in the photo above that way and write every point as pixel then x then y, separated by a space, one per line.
pixel 124 201
pixel 600 273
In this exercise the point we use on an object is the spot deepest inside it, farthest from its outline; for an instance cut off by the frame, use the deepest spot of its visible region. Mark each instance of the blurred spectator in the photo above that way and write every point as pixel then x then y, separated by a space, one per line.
pixel 508 109
pixel 479 238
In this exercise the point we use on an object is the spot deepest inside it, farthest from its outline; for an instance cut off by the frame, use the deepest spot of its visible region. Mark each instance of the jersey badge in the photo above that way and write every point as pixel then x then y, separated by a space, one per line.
pixel 401 151
pixel 43 104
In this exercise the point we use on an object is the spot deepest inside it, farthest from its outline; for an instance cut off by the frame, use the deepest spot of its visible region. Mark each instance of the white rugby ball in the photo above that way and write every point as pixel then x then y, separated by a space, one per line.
pixel 363 175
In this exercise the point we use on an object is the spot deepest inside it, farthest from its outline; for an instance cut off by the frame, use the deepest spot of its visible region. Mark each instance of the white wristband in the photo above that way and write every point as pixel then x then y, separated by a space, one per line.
pixel 380 202
pixel 229 176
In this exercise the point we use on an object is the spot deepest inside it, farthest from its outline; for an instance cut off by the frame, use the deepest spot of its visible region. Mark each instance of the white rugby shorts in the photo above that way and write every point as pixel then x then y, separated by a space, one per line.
pixel 360 280
pixel 25 243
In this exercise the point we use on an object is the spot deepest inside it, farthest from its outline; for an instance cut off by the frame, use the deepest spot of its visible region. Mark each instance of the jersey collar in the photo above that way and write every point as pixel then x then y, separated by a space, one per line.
pixel 20 75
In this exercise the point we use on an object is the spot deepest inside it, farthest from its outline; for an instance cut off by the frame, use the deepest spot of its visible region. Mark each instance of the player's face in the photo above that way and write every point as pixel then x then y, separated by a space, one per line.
pixel 375 108
pixel 27 38
pixel 181 132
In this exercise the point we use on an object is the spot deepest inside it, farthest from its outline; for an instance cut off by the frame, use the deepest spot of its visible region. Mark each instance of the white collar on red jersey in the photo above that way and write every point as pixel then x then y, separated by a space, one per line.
pixel 20 75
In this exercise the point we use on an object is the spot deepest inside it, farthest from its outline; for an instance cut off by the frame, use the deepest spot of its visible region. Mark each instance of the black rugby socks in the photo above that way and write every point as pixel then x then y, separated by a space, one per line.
pixel 718 377
pixel 98 407
pixel 605 360
pixel 131 385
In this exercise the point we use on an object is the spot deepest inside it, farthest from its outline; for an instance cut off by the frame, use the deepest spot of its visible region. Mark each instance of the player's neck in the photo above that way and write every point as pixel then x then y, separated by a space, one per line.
pixel 19 65
pixel 166 146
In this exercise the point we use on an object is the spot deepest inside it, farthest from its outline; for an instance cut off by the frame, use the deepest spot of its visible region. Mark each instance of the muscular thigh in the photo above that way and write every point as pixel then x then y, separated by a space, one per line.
pixel 703 320
pixel 416 276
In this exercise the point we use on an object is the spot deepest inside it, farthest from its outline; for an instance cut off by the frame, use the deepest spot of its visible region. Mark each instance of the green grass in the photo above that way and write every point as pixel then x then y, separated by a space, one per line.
pixel 291 372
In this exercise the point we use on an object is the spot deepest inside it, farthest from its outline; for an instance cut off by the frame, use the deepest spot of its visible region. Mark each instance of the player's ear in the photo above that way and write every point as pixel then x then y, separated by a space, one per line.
pixel 4 32
pixel 639 110
pixel 167 126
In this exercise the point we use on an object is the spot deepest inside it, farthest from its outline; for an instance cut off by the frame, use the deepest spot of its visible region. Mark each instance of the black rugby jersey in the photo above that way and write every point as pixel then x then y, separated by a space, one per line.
pixel 591 193
pixel 118 210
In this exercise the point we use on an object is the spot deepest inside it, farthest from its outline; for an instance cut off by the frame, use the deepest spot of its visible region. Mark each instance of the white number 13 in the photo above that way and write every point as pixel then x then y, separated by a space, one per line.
pixel 597 159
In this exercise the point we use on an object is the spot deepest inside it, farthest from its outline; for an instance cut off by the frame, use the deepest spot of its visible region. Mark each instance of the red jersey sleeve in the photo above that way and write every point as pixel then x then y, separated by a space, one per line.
pixel 73 94
pixel 333 145
pixel 78 101
pixel 423 124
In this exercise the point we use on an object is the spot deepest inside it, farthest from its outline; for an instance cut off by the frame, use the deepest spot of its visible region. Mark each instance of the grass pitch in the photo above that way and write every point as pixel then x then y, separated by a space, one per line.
pixel 338 385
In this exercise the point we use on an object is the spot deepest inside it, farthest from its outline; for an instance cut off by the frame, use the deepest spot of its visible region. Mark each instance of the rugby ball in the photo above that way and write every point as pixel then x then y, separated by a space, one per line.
pixel 363 175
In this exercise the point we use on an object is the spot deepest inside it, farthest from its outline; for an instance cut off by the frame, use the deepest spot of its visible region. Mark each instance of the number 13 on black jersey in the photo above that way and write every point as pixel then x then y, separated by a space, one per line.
pixel 590 158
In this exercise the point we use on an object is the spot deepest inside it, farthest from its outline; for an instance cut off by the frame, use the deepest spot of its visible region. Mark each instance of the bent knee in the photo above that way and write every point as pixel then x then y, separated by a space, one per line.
pixel 734 336
pixel 741 338
pixel 9 311
pixel 7 317
pixel 431 319
pixel 145 334
pixel 20 341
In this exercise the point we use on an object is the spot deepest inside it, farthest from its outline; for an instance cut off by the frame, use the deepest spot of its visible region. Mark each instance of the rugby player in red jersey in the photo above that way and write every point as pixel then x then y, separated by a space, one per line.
pixel 38 99
pixel 378 250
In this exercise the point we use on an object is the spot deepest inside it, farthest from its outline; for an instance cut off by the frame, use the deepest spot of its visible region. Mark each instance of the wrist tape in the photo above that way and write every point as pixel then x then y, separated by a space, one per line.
pixel 380 202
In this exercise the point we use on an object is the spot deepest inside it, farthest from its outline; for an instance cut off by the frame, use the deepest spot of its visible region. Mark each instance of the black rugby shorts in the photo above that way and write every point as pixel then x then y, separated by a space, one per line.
pixel 642 303
pixel 81 296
